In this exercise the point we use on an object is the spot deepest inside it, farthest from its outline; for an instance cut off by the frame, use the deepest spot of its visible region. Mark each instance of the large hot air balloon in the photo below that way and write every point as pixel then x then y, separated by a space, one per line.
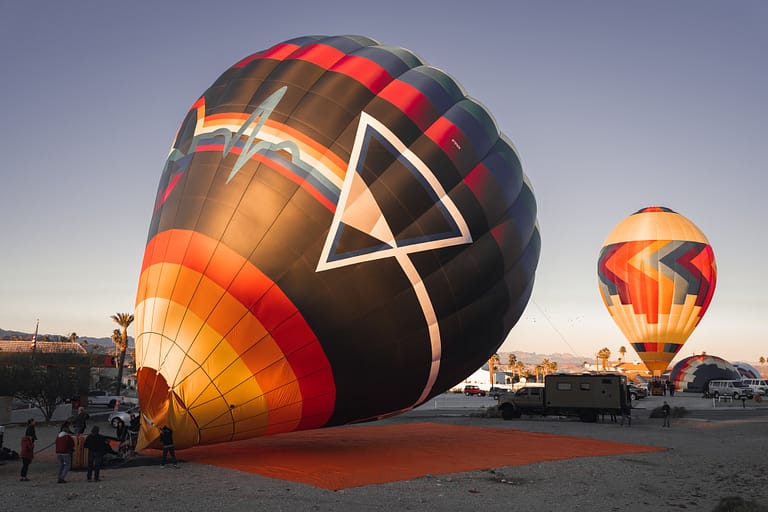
pixel 656 274
pixel 339 234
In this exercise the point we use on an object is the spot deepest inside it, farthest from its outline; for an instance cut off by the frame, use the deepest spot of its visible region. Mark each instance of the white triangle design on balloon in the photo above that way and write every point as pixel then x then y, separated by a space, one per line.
pixel 358 208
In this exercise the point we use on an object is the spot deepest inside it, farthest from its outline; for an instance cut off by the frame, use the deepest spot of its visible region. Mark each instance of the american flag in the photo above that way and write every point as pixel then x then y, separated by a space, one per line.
pixel 34 336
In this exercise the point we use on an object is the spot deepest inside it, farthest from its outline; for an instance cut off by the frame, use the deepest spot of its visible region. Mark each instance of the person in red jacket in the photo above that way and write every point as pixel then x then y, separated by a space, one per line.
pixel 65 445
pixel 27 448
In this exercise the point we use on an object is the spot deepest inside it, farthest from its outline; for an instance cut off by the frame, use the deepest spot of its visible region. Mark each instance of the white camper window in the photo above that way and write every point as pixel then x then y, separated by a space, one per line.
pixel 564 386
pixel 585 386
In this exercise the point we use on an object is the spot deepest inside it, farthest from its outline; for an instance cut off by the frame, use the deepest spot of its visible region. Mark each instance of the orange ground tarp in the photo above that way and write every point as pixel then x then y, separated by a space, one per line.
pixel 342 457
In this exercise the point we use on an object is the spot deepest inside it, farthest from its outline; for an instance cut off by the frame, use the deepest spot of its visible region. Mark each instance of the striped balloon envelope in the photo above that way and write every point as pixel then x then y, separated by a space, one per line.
pixel 693 373
pixel 656 274
pixel 339 234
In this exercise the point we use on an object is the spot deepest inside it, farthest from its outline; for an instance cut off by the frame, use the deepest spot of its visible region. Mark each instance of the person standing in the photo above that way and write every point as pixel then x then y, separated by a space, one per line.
pixel 121 432
pixel 166 437
pixel 97 446
pixel 133 430
pixel 27 448
pixel 666 412
pixel 79 422
pixel 64 448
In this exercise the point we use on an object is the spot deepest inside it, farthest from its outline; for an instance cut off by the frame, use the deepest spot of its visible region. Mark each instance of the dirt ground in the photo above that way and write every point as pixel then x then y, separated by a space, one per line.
pixel 705 460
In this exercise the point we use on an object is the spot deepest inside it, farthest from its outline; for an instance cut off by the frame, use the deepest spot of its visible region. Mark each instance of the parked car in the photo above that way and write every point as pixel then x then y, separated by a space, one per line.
pixel 474 391
pixel 122 415
pixel 732 388
pixel 757 385
pixel 495 392
pixel 104 398
pixel 637 392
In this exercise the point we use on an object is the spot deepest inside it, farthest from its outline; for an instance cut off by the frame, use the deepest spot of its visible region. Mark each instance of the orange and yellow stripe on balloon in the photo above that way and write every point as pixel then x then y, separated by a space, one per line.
pixel 222 353
pixel 657 275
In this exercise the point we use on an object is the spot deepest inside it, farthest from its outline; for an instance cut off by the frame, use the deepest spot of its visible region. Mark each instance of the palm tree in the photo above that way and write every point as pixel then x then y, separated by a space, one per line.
pixel 123 320
pixel 545 365
pixel 622 351
pixel 520 369
pixel 604 354
pixel 511 360
pixel 117 339
pixel 551 367
pixel 493 362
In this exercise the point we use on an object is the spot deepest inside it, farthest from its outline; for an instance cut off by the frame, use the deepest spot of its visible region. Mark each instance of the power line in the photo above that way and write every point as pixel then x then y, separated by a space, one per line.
pixel 553 325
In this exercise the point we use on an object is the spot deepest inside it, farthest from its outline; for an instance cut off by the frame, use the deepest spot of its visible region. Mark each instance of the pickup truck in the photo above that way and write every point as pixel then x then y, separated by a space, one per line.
pixel 584 395
pixel 106 399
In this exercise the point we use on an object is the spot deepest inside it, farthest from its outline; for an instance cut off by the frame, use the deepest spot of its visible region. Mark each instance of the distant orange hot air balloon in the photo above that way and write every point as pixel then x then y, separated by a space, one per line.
pixel 656 274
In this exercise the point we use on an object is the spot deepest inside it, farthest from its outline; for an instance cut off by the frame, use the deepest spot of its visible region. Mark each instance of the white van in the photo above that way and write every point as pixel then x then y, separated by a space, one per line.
pixel 757 385
pixel 732 388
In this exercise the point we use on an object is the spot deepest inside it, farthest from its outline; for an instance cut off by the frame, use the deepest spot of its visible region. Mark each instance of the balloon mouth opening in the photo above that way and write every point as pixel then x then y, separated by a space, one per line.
pixel 154 411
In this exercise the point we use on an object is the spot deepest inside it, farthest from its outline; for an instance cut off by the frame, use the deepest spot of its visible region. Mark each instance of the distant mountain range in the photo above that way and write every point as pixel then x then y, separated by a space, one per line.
pixel 13 335
pixel 530 358
pixel 536 358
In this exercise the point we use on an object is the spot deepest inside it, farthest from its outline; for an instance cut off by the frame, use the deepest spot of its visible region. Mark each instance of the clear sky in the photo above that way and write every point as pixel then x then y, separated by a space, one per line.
pixel 613 106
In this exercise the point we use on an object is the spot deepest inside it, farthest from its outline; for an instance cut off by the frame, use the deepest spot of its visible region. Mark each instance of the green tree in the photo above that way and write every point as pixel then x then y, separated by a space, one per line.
pixel 123 320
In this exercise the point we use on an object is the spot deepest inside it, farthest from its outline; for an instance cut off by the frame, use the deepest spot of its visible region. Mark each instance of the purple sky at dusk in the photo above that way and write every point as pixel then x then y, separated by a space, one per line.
pixel 612 106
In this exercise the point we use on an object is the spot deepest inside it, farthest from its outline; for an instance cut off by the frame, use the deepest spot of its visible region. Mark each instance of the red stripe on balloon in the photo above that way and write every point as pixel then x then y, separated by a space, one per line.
pixel 277 52
pixel 411 102
pixel 377 79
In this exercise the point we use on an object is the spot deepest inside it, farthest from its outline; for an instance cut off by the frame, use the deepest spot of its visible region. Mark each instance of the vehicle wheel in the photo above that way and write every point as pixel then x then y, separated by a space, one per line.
pixel 736 396
pixel 466 394
pixel 633 396
pixel 507 412
pixel 114 422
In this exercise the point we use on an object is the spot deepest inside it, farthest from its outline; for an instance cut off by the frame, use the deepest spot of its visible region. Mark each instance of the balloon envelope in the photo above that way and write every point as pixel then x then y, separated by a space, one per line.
pixel 693 373
pixel 656 275
pixel 339 234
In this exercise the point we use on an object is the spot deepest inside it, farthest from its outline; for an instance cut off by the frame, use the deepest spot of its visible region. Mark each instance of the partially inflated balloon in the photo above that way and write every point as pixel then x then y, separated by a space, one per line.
pixel 339 234
pixel 656 274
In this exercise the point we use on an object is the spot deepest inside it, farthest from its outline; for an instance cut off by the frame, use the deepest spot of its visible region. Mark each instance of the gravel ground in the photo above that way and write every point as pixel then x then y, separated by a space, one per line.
pixel 705 461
